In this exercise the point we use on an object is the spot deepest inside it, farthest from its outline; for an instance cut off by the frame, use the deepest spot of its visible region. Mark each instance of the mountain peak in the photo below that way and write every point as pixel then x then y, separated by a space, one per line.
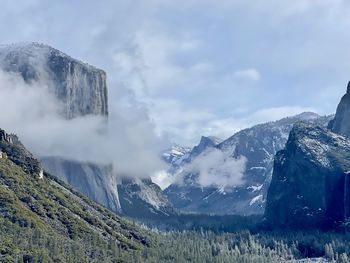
pixel 205 143
pixel 307 115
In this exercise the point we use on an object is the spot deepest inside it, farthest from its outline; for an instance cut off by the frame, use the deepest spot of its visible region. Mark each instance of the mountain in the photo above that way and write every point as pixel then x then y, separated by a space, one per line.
pixel 82 90
pixel 176 155
pixel 80 87
pixel 143 199
pixel 341 122
pixel 204 144
pixel 258 145
pixel 44 220
pixel 310 184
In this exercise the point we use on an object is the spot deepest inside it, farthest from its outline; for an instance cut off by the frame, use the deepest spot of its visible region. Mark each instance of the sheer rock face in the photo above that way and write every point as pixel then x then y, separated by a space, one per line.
pixel 341 122
pixel 310 184
pixel 96 181
pixel 81 88
pixel 138 198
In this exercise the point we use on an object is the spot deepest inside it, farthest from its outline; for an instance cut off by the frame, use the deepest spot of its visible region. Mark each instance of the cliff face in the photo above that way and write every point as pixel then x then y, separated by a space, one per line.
pixel 341 122
pixel 81 88
pixel 97 182
pixel 310 183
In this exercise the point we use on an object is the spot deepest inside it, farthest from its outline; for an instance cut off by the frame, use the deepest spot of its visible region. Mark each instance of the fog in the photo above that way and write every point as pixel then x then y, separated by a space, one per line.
pixel 127 139
pixel 215 168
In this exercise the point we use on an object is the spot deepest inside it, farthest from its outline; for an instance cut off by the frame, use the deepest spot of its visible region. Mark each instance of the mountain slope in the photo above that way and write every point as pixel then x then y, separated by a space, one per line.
pixel 258 145
pixel 43 209
pixel 310 182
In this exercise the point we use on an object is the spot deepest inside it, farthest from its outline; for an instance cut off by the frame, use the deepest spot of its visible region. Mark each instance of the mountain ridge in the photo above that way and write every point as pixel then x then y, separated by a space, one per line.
pixel 259 143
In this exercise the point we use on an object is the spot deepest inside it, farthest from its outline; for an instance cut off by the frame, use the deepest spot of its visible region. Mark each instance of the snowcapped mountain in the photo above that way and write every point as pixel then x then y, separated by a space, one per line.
pixel 180 155
pixel 258 145
pixel 176 155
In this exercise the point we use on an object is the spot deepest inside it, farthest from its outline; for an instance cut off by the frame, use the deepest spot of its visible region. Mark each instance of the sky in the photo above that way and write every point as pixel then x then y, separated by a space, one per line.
pixel 200 67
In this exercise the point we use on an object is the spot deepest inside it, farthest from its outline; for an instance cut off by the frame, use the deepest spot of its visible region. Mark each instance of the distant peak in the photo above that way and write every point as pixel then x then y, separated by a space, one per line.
pixel 308 115
pixel 348 88
pixel 25 45
pixel 211 139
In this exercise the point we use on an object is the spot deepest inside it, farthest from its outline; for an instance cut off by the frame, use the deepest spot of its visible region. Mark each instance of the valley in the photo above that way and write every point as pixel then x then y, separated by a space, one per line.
pixel 274 192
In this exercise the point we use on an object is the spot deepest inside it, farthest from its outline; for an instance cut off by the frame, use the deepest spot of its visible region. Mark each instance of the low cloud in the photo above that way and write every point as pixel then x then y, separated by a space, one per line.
pixel 216 168
pixel 127 139
pixel 163 179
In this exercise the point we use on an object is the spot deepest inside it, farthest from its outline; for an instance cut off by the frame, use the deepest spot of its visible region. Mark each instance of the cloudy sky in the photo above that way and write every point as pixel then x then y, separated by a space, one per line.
pixel 201 67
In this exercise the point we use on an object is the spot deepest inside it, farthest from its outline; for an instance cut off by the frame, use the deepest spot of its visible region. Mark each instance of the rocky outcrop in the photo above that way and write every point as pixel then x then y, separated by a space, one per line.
pixel 81 88
pixel 4 137
pixel 141 198
pixel 258 145
pixel 13 149
pixel 310 183
pixel 341 122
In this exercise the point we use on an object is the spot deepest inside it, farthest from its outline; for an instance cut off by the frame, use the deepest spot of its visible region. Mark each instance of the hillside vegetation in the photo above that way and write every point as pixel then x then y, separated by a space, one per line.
pixel 44 220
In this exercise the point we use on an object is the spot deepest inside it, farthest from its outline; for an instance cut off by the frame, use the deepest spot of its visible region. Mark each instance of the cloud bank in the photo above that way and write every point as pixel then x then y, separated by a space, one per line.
pixel 127 140
pixel 214 61
pixel 215 168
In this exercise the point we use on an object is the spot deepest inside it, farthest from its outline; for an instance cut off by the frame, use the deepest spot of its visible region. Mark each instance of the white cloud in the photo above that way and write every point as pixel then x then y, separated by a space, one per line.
pixel 186 126
pixel 215 168
pixel 226 127
pixel 128 140
pixel 197 52
pixel 163 179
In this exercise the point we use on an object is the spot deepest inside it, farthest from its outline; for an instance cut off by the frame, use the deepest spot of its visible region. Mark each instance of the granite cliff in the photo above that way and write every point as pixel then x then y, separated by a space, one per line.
pixel 310 183
pixel 81 90
pixel 80 87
